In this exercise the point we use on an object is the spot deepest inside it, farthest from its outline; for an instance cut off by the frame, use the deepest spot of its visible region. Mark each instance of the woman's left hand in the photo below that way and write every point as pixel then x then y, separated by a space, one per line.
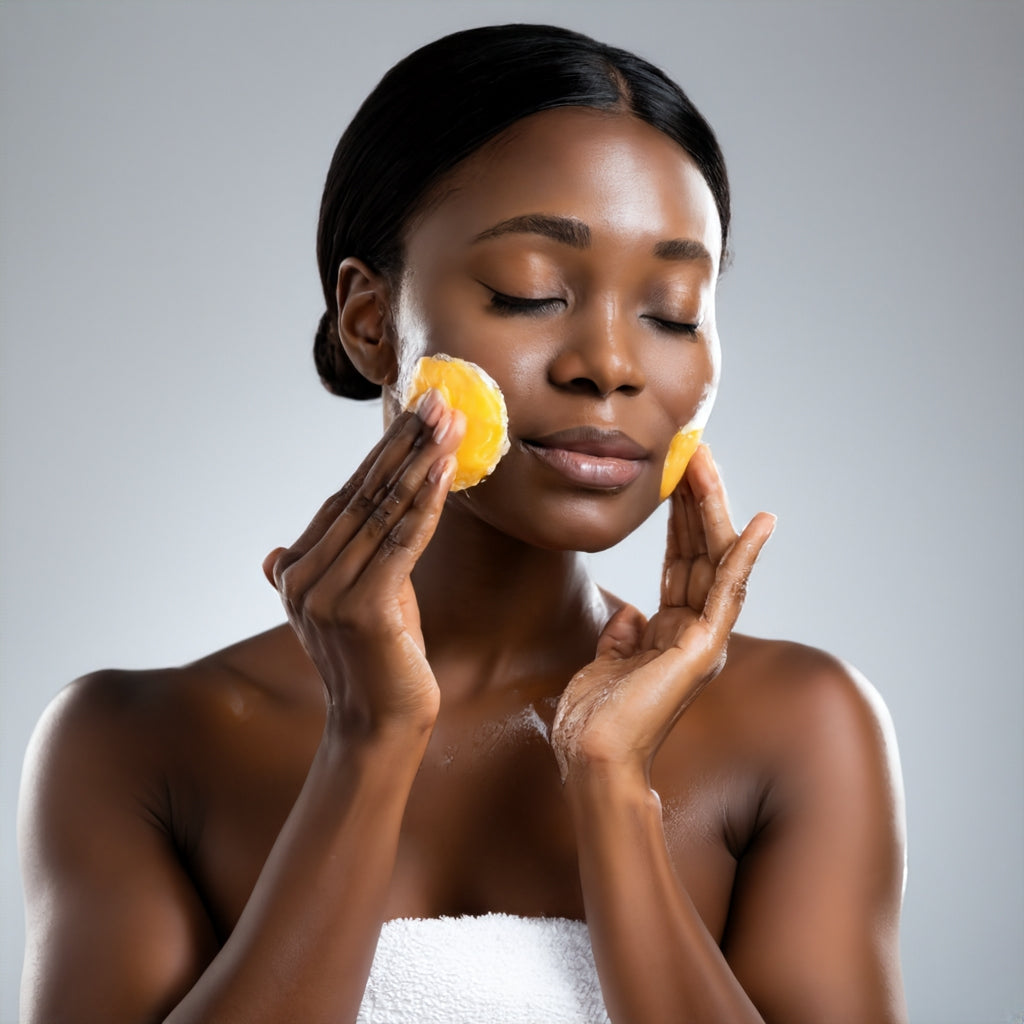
pixel 617 711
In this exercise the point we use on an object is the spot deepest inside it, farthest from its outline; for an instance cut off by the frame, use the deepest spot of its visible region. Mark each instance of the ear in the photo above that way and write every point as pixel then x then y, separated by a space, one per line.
pixel 364 321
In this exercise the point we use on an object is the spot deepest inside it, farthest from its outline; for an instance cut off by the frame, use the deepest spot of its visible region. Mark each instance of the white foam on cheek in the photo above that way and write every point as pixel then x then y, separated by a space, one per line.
pixel 699 420
pixel 412 344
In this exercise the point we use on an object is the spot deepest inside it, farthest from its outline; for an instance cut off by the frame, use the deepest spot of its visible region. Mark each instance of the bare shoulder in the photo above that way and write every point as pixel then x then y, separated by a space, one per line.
pixel 96 758
pixel 99 860
pixel 136 707
pixel 804 699
pixel 814 917
pixel 795 668
pixel 821 743
pixel 131 737
pixel 122 773
pixel 790 740
pixel 96 727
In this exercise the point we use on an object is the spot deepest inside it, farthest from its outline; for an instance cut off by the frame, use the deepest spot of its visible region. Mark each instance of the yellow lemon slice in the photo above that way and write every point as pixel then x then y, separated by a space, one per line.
pixel 467 387
pixel 680 451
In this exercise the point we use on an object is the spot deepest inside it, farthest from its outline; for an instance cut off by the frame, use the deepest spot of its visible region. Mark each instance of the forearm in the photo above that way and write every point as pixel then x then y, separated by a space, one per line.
pixel 656 959
pixel 303 946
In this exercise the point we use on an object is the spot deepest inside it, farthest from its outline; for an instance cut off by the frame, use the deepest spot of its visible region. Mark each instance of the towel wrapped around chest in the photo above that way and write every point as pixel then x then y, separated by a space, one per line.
pixel 493 969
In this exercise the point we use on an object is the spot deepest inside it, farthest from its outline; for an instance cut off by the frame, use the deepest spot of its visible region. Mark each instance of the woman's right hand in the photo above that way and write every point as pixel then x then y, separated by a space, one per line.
pixel 346 584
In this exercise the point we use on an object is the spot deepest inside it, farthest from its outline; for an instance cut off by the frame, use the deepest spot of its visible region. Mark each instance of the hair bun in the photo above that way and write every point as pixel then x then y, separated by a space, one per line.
pixel 337 373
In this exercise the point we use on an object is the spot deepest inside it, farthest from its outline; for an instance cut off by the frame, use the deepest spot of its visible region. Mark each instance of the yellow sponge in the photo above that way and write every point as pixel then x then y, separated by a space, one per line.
pixel 465 386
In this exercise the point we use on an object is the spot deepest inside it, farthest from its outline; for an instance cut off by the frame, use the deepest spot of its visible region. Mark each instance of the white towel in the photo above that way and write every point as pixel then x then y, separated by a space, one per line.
pixel 495 969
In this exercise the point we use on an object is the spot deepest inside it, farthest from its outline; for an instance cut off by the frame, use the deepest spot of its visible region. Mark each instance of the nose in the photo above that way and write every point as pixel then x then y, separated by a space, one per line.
pixel 598 357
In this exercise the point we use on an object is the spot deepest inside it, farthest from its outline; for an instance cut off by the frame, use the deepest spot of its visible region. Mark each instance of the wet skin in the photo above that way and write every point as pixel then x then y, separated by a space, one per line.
pixel 231 838
pixel 596 332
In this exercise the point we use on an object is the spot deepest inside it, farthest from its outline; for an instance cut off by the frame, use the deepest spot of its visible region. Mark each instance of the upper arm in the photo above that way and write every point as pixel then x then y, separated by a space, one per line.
pixel 115 929
pixel 813 927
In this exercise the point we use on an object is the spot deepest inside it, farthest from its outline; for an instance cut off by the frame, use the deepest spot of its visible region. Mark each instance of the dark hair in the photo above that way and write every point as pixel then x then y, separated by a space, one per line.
pixel 442 103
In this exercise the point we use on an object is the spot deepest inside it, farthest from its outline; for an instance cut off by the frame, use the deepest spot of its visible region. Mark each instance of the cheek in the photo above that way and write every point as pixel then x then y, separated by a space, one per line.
pixel 690 413
pixel 413 333
pixel 425 326
pixel 516 352
pixel 686 381
pixel 513 351
pixel 708 375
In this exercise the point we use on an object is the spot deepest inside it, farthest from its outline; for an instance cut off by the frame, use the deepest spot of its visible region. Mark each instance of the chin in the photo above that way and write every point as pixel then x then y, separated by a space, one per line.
pixel 587 522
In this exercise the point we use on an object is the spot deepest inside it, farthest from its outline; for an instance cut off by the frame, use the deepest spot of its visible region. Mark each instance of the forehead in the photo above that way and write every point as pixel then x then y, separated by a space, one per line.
pixel 623 178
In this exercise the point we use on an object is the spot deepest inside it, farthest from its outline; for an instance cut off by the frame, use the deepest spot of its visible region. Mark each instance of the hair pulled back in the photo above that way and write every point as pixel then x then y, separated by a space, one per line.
pixel 443 102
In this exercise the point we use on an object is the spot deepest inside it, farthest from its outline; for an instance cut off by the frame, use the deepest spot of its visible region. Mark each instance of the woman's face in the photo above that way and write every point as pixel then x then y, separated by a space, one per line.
pixel 575 259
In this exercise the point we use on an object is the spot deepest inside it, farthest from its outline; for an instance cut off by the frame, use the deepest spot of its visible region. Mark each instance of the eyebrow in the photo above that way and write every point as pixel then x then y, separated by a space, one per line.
pixel 561 229
pixel 683 249
pixel 575 233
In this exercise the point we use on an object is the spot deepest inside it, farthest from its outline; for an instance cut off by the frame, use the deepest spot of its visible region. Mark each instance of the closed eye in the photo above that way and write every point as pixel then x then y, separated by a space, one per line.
pixel 675 326
pixel 511 304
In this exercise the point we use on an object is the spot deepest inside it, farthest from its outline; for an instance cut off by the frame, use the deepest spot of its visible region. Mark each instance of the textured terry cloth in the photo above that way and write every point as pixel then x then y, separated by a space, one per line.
pixel 494 969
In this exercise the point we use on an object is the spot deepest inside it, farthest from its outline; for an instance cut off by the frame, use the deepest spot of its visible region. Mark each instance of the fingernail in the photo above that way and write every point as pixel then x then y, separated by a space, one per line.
pixel 442 428
pixel 440 469
pixel 429 406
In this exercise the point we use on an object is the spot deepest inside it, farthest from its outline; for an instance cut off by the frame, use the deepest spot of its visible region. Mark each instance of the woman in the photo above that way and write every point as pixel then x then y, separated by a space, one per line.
pixel 221 842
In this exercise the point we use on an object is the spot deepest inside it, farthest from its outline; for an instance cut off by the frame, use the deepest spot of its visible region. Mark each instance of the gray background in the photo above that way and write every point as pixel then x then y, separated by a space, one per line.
pixel 163 428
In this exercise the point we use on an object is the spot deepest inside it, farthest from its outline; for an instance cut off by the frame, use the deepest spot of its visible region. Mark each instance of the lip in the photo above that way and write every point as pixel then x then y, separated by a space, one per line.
pixel 596 441
pixel 591 456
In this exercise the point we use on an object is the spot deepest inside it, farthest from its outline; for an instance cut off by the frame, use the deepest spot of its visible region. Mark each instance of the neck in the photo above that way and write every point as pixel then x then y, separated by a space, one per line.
pixel 496 612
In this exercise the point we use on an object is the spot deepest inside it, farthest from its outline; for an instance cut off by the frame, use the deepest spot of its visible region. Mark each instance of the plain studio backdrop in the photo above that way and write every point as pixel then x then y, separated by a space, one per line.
pixel 163 427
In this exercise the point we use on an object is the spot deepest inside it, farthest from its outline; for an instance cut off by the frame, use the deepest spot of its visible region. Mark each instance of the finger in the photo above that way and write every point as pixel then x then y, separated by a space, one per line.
pixel 727 593
pixel 709 492
pixel 354 539
pixel 401 438
pixel 699 583
pixel 686 544
pixel 411 440
pixel 672 564
pixel 690 529
pixel 401 433
pixel 687 582
pixel 621 635
pixel 676 569
pixel 268 565
pixel 400 548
